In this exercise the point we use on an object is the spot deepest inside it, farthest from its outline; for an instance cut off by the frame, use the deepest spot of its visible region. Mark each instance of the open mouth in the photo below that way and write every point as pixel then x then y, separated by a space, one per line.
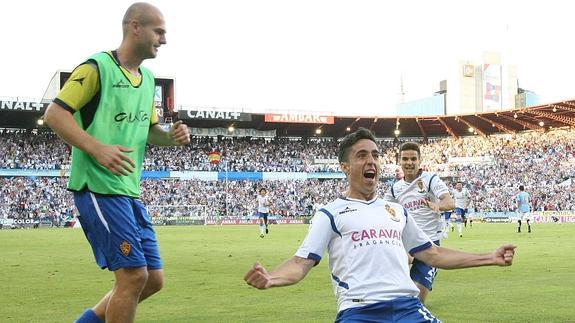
pixel 370 174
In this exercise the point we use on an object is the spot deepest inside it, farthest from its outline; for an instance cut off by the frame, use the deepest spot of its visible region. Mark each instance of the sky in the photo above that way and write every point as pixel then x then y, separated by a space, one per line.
pixel 326 56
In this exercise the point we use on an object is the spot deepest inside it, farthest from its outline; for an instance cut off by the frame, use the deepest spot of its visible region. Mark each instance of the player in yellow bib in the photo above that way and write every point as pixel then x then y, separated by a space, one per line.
pixel 106 112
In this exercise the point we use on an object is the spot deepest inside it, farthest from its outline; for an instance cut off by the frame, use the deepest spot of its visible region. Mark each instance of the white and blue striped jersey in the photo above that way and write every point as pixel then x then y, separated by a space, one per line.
pixel 461 198
pixel 427 186
pixel 366 242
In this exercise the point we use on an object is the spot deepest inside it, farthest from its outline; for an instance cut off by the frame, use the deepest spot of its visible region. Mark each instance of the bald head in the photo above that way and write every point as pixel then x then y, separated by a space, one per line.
pixel 141 12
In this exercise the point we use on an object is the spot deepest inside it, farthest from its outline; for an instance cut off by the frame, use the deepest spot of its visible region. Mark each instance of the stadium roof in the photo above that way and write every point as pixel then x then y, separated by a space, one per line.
pixel 541 117
pixel 556 115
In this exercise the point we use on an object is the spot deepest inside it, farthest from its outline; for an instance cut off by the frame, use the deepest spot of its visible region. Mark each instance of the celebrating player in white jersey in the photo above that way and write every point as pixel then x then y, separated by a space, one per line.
pixel 462 198
pixel 263 211
pixel 366 239
pixel 424 195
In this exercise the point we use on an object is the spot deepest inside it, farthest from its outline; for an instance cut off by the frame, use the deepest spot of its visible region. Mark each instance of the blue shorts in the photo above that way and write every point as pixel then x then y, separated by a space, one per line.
pixel 119 230
pixel 447 215
pixel 402 309
pixel 423 273
pixel 263 215
pixel 460 213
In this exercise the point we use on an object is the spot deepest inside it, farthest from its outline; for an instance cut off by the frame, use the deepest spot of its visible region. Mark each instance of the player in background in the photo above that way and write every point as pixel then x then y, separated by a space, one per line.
pixel 106 112
pixel 447 218
pixel 471 212
pixel 368 240
pixel 462 198
pixel 424 195
pixel 317 205
pixel 523 208
pixel 263 211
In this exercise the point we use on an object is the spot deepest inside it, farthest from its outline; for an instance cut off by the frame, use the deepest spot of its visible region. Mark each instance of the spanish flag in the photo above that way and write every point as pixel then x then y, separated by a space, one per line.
pixel 214 157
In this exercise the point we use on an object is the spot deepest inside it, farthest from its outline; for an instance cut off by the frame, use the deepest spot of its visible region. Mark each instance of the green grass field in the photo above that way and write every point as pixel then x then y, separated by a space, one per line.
pixel 48 275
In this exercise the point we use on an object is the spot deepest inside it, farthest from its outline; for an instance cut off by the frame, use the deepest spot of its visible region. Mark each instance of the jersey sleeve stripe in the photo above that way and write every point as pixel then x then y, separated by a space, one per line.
pixel 424 246
pixel 331 221
pixel 64 105
pixel 315 257
pixel 429 185
pixel 339 282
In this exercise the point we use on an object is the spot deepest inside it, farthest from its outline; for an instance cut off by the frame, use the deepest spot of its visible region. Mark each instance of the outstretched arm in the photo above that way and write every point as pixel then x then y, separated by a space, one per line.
pixel 445 258
pixel 288 273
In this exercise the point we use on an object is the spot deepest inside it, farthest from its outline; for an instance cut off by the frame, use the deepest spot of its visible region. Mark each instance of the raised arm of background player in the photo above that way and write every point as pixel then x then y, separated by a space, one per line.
pixel 446 203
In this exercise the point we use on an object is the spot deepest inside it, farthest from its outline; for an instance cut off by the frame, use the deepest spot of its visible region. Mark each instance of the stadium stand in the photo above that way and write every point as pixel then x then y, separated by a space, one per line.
pixel 492 167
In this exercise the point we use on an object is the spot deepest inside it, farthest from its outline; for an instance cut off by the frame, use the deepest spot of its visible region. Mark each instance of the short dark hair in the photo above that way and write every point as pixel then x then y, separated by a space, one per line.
pixel 350 140
pixel 521 188
pixel 263 189
pixel 410 145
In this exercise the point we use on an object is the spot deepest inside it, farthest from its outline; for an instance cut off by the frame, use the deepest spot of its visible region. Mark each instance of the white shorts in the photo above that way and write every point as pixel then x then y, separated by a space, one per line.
pixel 525 216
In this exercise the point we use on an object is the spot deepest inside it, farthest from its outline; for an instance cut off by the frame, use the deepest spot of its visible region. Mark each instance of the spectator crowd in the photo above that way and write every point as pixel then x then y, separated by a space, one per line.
pixel 491 167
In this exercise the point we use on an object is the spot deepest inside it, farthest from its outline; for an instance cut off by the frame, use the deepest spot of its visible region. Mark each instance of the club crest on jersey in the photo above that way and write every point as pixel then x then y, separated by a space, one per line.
pixel 125 248
pixel 391 212
pixel 420 186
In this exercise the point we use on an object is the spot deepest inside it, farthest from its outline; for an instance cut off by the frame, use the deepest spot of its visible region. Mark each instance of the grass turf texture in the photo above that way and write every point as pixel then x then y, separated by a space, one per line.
pixel 48 275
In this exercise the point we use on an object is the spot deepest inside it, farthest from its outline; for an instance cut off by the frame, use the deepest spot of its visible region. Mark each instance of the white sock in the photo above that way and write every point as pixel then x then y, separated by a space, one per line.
pixel 460 227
